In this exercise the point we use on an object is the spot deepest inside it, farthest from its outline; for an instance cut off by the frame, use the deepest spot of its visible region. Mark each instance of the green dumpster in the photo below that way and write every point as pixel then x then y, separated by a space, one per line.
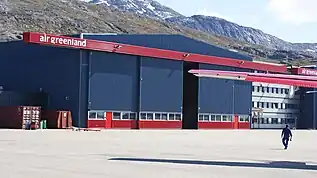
pixel 44 124
pixel 41 124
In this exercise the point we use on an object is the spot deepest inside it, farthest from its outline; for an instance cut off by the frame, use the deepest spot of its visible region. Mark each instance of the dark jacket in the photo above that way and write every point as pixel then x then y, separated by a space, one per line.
pixel 287 133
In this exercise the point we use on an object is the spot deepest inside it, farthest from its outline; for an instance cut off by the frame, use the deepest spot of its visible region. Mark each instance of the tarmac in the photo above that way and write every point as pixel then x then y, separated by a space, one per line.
pixel 156 154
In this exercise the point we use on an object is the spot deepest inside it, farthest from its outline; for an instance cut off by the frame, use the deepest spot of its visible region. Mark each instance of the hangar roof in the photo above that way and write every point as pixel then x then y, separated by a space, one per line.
pixel 153 46
pixel 173 42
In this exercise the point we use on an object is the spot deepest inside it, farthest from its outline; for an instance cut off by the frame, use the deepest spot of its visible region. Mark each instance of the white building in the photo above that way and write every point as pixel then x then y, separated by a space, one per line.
pixel 274 105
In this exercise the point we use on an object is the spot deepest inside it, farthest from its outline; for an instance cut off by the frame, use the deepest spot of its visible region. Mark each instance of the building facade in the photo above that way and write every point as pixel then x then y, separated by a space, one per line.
pixel 277 105
pixel 141 81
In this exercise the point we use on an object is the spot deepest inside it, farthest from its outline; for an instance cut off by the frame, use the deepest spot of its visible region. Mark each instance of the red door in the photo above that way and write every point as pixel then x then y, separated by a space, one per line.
pixel 108 120
pixel 236 122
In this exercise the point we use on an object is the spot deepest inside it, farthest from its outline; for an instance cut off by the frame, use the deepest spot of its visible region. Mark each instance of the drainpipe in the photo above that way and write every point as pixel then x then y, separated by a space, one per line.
pixel 314 110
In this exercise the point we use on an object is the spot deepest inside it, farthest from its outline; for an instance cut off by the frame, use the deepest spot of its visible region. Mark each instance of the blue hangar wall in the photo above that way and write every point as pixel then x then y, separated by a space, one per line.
pixel 76 80
pixel 308 109
pixel 29 68
pixel 115 79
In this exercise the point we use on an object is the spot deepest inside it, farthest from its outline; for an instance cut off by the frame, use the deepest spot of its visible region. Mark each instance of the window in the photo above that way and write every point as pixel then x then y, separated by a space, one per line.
pixel 149 116
pixel 225 118
pixel 133 116
pixel 276 90
pixel 125 116
pixel 116 115
pixel 143 116
pixel 171 117
pixel 244 118
pixel 267 105
pixel 274 120
pixel 164 116
pixel 287 91
pixel 212 118
pixel 201 117
pixel 206 117
pixel 100 115
pixel 268 89
pixel 258 89
pixel 263 89
pixel 230 118
pixel 218 118
pixel 264 120
pixel 283 120
pixel 157 116
pixel 92 115
pixel 275 105
pixel 178 117
pixel 282 90
pixel 253 88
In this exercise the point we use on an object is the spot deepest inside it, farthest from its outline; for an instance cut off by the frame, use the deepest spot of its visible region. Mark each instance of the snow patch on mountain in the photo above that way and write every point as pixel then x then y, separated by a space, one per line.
pixel 149 8
pixel 212 25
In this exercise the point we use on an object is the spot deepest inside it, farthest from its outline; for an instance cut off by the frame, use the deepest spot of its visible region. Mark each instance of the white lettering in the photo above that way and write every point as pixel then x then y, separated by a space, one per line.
pixel 63 41
pixel 42 39
pixel 308 72
pixel 53 40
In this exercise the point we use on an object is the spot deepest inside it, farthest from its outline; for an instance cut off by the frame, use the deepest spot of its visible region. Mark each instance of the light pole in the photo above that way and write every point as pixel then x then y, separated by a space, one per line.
pixel 314 109
pixel 233 100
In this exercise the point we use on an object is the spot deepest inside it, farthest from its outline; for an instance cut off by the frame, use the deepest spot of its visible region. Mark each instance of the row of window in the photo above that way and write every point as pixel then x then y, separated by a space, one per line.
pixel 101 115
pixel 161 116
pixel 221 118
pixel 274 120
pixel 275 105
pixel 270 90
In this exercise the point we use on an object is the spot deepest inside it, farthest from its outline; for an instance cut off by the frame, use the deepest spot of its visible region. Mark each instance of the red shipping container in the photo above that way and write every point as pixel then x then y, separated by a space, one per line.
pixel 57 119
pixel 20 117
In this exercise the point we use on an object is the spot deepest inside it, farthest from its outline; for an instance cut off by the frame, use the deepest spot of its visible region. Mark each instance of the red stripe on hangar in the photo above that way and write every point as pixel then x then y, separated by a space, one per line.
pixel 70 42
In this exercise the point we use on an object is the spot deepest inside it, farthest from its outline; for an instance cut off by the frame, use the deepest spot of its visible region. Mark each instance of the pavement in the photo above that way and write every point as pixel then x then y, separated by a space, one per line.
pixel 156 154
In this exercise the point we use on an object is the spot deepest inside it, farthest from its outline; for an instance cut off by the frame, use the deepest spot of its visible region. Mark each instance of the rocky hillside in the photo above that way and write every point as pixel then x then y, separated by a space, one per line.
pixel 223 27
pixel 72 16
pixel 214 26
pixel 148 8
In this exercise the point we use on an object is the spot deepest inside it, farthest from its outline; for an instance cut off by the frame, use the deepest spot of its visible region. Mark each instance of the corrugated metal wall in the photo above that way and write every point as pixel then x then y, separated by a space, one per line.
pixel 161 85
pixel 220 96
pixel 162 75
pixel 113 82
pixel 308 105
pixel 11 98
pixel 29 68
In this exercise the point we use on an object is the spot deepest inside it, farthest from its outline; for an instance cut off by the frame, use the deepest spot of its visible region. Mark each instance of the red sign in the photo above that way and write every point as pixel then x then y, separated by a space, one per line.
pixel 305 71
pixel 70 42
pixel 44 38
pixel 65 41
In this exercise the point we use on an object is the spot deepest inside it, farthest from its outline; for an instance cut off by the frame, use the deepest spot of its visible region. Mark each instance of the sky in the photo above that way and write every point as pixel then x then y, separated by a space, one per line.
pixel 291 20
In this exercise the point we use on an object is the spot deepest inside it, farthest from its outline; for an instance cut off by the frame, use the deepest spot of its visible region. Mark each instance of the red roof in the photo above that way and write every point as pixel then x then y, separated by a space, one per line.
pixel 111 47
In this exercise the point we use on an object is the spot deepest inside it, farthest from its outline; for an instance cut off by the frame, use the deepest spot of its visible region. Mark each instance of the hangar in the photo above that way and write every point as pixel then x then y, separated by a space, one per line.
pixel 132 81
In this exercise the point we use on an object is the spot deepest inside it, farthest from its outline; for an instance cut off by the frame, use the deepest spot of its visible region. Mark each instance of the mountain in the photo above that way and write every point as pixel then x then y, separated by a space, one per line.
pixel 148 8
pixel 73 17
pixel 223 27
pixel 211 25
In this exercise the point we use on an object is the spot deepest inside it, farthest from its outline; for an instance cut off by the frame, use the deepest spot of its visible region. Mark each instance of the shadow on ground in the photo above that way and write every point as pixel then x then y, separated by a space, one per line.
pixel 274 164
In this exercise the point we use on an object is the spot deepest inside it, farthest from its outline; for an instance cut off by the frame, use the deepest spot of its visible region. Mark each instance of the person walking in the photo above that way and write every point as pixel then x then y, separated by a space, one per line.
pixel 286 136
